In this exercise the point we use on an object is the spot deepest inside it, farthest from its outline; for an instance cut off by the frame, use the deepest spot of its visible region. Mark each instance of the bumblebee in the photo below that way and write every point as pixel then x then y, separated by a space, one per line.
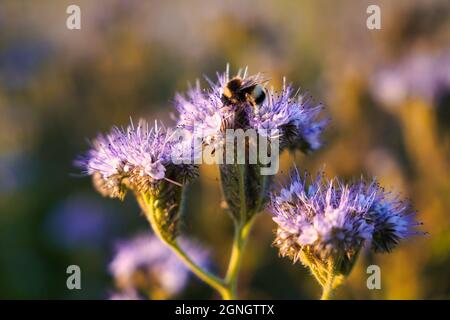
pixel 238 91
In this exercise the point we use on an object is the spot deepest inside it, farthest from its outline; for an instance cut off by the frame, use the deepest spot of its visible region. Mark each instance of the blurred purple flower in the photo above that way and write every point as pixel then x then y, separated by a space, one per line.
pixel 125 295
pixel 20 61
pixel 159 267
pixel 78 221
pixel 16 171
pixel 422 76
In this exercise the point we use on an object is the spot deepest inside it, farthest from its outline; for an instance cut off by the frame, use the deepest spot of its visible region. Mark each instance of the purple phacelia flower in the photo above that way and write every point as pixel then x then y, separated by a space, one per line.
pixel 241 102
pixel 80 221
pixel 285 115
pixel 393 219
pixel 293 116
pixel 201 112
pixel 148 162
pixel 324 216
pixel 136 157
pixel 323 219
pixel 145 264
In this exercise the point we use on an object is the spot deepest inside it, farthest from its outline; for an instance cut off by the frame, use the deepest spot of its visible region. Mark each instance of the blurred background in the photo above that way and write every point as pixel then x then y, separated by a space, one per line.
pixel 387 92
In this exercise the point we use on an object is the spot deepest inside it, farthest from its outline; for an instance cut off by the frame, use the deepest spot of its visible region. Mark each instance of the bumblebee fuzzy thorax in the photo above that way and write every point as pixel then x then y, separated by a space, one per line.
pixel 238 90
pixel 232 91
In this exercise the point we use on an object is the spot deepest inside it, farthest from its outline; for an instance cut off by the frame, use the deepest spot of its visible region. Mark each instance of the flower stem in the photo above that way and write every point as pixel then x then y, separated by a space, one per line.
pixel 242 227
pixel 310 261
pixel 210 279
pixel 242 196
pixel 242 232
pixel 226 287
pixel 328 288
pixel 327 292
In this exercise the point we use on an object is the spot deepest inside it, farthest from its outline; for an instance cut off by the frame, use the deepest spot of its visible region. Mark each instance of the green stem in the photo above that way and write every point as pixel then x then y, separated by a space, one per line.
pixel 264 186
pixel 212 280
pixel 328 288
pixel 309 260
pixel 327 292
pixel 242 196
pixel 226 287
pixel 241 235
pixel 242 229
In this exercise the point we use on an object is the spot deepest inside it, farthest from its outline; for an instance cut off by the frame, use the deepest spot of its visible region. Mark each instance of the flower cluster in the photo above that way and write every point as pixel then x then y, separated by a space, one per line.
pixel 137 158
pixel 146 161
pixel 328 219
pixel 285 115
pixel 144 264
pixel 323 223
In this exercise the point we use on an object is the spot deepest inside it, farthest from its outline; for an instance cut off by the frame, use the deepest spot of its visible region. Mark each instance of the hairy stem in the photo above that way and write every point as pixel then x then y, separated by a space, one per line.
pixel 329 287
pixel 242 196
pixel 241 235
pixel 309 260
pixel 327 291
pixel 242 229
pixel 215 282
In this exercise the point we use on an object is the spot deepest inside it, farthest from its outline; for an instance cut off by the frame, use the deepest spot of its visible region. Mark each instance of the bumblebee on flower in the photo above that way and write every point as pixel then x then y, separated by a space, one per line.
pixel 322 223
pixel 243 102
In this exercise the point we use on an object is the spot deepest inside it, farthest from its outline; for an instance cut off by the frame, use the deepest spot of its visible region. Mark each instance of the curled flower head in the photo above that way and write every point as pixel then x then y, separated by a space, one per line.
pixel 136 157
pixel 202 112
pixel 293 116
pixel 325 222
pixel 141 159
pixel 323 217
pixel 286 115
pixel 393 220
pixel 144 264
